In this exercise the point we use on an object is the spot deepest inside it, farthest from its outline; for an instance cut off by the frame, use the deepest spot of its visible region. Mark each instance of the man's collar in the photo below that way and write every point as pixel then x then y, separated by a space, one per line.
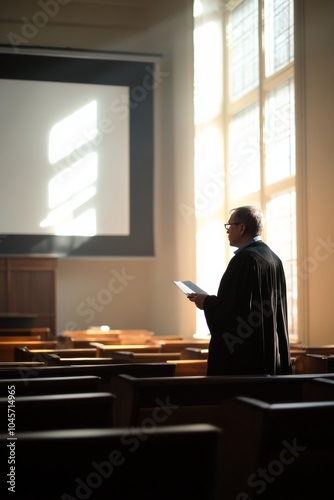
pixel 253 240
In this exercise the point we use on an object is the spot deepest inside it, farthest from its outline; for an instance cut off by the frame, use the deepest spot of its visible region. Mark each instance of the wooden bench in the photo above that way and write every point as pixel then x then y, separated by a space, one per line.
pixel 117 464
pixel 145 357
pixel 105 372
pixel 330 364
pixel 59 411
pixel 194 353
pixel 318 363
pixel 49 385
pixel 26 354
pixel 189 367
pixel 5 365
pixel 19 338
pixel 325 349
pixel 66 342
pixel 314 363
pixel 195 399
pixel 319 389
pixel 7 348
pixel 43 332
pixel 84 337
pixel 277 451
pixel 178 345
pixel 297 360
pixel 156 338
pixel 55 360
pixel 106 351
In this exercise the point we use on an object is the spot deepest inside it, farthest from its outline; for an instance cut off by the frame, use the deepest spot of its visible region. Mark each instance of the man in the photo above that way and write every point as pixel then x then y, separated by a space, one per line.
pixel 247 318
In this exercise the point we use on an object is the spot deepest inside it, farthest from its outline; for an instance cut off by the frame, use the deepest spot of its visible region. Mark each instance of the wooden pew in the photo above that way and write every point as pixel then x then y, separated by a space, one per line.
pixel 8 365
pixel 59 411
pixel 26 354
pixel 145 357
pixel 84 337
pixel 319 389
pixel 318 363
pixel 66 342
pixel 314 363
pixel 277 451
pixel 320 349
pixel 43 332
pixel 7 348
pixel 194 353
pixel 195 399
pixel 19 338
pixel 189 367
pixel 178 345
pixel 105 372
pixel 134 336
pixel 49 385
pixel 106 351
pixel 297 359
pixel 55 360
pixel 330 364
pixel 156 338
pixel 117 464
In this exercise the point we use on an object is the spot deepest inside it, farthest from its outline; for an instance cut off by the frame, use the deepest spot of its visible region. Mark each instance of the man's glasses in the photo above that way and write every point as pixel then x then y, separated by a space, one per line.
pixel 227 226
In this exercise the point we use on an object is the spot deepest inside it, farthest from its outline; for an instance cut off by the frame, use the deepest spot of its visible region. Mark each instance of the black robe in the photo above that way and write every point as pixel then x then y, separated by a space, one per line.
pixel 248 317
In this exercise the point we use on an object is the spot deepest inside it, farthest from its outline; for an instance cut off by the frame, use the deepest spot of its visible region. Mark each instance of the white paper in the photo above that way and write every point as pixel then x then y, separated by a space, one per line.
pixel 189 287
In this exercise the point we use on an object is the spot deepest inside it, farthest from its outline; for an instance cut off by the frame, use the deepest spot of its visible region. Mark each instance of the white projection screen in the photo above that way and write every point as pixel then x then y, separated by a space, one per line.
pixel 76 139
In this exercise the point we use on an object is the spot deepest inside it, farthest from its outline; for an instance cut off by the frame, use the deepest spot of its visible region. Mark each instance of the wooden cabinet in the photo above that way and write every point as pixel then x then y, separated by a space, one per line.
pixel 28 286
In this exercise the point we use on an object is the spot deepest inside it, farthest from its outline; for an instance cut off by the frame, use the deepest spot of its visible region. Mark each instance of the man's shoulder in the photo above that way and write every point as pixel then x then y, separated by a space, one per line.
pixel 262 250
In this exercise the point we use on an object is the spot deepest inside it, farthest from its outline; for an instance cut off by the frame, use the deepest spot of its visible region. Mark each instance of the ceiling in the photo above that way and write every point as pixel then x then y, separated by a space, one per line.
pixel 120 14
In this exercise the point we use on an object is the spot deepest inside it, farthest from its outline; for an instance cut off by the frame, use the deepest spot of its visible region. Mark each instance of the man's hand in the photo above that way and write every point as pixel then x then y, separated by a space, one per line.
pixel 198 299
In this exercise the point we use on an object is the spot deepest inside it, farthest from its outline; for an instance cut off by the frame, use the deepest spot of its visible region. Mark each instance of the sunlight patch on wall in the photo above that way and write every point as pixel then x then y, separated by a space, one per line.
pixel 73 132
pixel 71 189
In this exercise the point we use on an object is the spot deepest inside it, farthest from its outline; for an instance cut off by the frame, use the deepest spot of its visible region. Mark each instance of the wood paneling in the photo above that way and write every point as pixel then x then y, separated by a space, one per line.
pixel 28 286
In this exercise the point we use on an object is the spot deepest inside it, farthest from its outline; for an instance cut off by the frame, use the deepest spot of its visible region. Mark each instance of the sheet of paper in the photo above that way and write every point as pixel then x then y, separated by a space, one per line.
pixel 189 287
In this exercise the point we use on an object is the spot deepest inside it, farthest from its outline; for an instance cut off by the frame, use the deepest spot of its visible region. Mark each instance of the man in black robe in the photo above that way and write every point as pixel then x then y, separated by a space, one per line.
pixel 247 318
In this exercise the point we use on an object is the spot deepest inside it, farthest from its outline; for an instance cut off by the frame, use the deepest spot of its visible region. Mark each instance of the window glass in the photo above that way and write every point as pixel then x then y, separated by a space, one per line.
pixel 243 49
pixel 279 133
pixel 244 158
pixel 279 34
pixel 281 235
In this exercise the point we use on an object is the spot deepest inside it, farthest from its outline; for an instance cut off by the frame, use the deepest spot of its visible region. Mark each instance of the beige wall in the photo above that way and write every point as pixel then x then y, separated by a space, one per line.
pixel 315 115
pixel 134 293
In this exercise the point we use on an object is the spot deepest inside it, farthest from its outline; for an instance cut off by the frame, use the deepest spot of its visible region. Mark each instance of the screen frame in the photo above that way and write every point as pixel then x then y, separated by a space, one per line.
pixel 101 68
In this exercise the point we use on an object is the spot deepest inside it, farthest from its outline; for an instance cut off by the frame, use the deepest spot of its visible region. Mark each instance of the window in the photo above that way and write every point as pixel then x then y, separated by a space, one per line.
pixel 254 119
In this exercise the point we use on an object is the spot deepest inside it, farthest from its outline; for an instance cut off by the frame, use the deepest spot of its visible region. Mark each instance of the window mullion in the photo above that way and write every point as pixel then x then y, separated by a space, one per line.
pixel 262 101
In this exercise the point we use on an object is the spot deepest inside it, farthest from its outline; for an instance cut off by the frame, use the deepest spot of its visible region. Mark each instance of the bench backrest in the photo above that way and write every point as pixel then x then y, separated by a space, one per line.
pixel 325 349
pixel 319 389
pixel 178 345
pixel 7 348
pixel 194 399
pixel 49 385
pixel 117 464
pixel 105 372
pixel 43 332
pixel 276 451
pixel 25 354
pixel 84 337
pixel 19 338
pixel 195 353
pixel 189 367
pixel 107 350
pixel 145 357
pixel 59 411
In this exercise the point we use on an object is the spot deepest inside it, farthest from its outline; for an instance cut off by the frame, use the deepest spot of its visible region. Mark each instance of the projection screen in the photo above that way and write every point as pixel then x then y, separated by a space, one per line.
pixel 76 137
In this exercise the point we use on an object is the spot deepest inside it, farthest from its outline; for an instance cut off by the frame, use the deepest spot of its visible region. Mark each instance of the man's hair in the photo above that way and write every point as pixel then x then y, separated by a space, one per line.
pixel 252 217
